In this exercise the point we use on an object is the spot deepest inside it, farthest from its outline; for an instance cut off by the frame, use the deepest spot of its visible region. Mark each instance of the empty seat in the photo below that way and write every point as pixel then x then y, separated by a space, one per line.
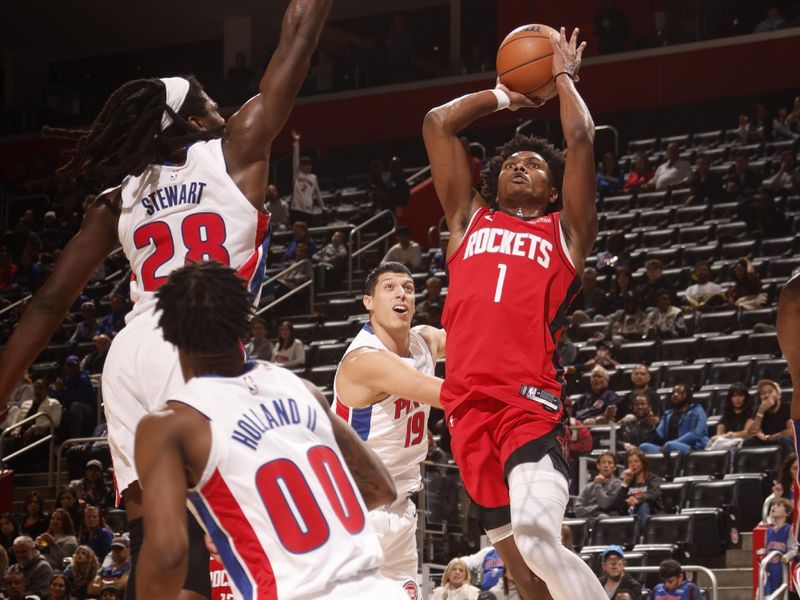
pixel 724 346
pixel 748 493
pixel 706 462
pixel 766 459
pixel 658 237
pixel 709 531
pixel 690 214
pixel 678 349
pixel 775 369
pixel 668 529
pixel 724 320
pixel 306 331
pixel 783 267
pixel 730 372
pixel 56 352
pixel 644 145
pixel 336 330
pixel 322 376
pixel 749 318
pixel 341 308
pixel 657 217
pixel 707 138
pixel 616 530
pixel 636 352
pixel 579 528
pixel 729 232
pixel 778 246
pixel 688 375
pixel 623 220
pixel 762 343
pixel 666 466
pixel 328 354
pixel 673 495
pixel 617 203
pixel 736 250
pixel 669 257
pixel 694 235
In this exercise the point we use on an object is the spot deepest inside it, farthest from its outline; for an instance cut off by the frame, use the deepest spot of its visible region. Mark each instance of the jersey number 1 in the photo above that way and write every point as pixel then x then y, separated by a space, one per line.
pixel 501 278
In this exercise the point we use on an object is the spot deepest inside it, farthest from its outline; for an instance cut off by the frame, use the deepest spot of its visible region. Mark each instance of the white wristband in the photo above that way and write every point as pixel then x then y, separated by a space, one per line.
pixel 503 101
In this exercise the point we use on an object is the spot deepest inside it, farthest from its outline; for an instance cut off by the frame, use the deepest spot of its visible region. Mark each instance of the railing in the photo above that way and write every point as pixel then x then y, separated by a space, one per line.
pixel 352 255
pixel 66 444
pixel 783 588
pixel 705 570
pixel 306 285
pixel 27 199
pixel 765 508
pixel 278 235
pixel 424 172
pixel 613 130
pixel 583 461
pixel 49 438
pixel 423 510
pixel 427 586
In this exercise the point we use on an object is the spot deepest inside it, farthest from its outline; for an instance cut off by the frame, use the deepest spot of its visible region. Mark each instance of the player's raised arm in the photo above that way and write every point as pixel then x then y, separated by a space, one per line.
pixel 435 338
pixel 80 258
pixel 579 215
pixel 370 474
pixel 449 167
pixel 788 327
pixel 254 126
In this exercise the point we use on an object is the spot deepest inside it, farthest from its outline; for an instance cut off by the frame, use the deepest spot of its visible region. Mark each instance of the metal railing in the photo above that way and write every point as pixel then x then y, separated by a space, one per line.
pixel 48 439
pixel 355 234
pixel 783 588
pixel 705 570
pixel 427 586
pixel 583 461
pixel 306 285
pixel 613 130
pixel 279 235
pixel 69 443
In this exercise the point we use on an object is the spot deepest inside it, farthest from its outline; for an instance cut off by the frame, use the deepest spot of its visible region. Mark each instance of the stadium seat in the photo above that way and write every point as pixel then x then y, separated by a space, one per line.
pixel 341 308
pixel 762 343
pixel 644 145
pixel 691 480
pixel 783 267
pixel 749 318
pixel 613 222
pixel 667 529
pixel 778 246
pixel 591 556
pixel 586 331
pixel 722 321
pixel 710 533
pixel 713 494
pixel 697 234
pixel 306 331
pixel 682 141
pixel 686 215
pixel 689 375
pixel 748 495
pixel 766 459
pixel 724 210
pixel 678 349
pixel 617 203
pixel 706 462
pixel 616 530
pixel 658 238
pixel 46 370
pixel 775 369
pixel 716 155
pixel 729 232
pixel 724 346
pixel 736 250
pixel 440 367
pixel 56 353
pixel 654 218
pixel 322 375
pixel 337 330
pixel 707 139
pixel 729 372
pixel 654 554
pixel 636 352
pixel 666 466
pixel 579 528
pixel 673 495
pixel 327 354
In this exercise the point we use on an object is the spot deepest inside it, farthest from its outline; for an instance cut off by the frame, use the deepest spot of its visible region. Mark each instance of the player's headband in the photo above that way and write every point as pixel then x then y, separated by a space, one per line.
pixel 177 88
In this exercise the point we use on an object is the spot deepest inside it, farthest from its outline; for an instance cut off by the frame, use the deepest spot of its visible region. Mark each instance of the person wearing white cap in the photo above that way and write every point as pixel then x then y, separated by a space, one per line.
pixel 182 184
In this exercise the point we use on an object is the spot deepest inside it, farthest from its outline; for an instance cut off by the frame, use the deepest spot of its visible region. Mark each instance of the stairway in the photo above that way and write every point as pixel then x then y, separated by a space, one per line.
pixel 735 581
pixel 25 483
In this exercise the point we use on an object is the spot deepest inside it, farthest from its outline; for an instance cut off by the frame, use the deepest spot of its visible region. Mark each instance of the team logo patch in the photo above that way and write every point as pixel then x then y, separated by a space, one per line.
pixel 412 589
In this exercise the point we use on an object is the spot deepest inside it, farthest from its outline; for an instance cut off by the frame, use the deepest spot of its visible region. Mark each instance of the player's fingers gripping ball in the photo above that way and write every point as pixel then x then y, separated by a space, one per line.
pixel 525 62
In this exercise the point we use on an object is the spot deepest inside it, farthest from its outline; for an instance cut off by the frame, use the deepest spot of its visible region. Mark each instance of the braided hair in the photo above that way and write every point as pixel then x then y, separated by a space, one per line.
pixel 126 135
pixel 205 308
pixel 522 143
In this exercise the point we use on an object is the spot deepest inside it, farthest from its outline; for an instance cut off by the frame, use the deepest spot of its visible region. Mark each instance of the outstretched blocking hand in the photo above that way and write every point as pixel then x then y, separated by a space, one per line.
pixel 567 54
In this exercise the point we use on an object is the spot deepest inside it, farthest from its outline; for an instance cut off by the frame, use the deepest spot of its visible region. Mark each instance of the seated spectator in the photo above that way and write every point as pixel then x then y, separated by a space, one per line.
pixel 705 186
pixel 439 258
pixel 9 531
pixel 59 539
pixel 666 321
pixel 23 392
pixel 488 565
pixel 81 572
pixel 672 173
pixel 429 310
pixel 780 128
pixel 27 433
pixel 94 362
pixel 615 255
pixel 742 179
pixel 300 235
pixel 259 346
pixel 69 502
pixel 8 269
pixel 117 572
pixel 295 277
pixel 609 175
pixel 621 285
pixel 654 282
pixel 602 357
pixel 87 327
pixel 614 579
pixel 505 589
pixel 77 397
pixel 455 583
pixel 630 323
pixel 705 292
pixel 682 428
pixel 744 133
pixel 638 427
pixel 331 261
pixel 289 352
pixel 673 584
pixel 580 444
pixel 33 566
pixel 567 352
pixel 91 488
pixel 787 177
pixel 278 209
pixel 640 378
pixel 405 251
pixel 773 22
pixel 746 291
pixel 113 322
pixel 35 520
pixel 641 175
pixel 596 500
pixel 599 404
pixel 784 484
pixel 591 298
pixel 15 586
pixel 110 591
pixel 95 533
pixel 779 537
pixel 59 587
pixel 772 424
pixel 640 491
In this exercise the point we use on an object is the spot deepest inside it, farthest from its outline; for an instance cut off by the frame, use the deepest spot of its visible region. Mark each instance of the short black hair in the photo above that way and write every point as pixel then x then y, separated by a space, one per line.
pixel 552 156
pixel 403 230
pixel 669 568
pixel 205 308
pixel 306 160
pixel 387 267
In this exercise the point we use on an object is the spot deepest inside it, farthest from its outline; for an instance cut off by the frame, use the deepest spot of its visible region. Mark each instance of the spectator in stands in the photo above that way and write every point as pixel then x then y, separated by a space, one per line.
pixel 787 476
pixel 87 327
pixel 81 571
pixel 405 251
pixel 113 322
pixel 640 491
pixel 59 541
pixel 741 179
pixel 306 193
pixel 439 258
pixel 277 208
pixel 614 579
pixel 331 261
pixel 599 404
pixel 793 118
pixel 596 500
pixel 95 533
pixel 27 433
pixel 23 392
pixel 429 309
pixel 639 427
pixel 580 444
pixel 672 173
pixel 297 276
pixel 630 323
pixel 705 186
pixel 609 176
pixel 737 419
pixel 673 584
pixel 615 256
pixel 654 282
pixel 746 291
pixel 15 585
pixel 59 587
pixel 591 298
pixel 487 564
pixel 778 537
pixel 640 378
pixel 772 424
pixel 666 321
pixel 110 592
pixel 93 362
pixel 77 397
pixel 34 567
pixel 377 192
pixel 762 124
pixel 259 346
pixel 397 188
pixel 505 589
pixel 787 177
pixel 780 129
pixel 621 285
pixel 567 352
pixel 69 502
pixel 7 269
pixel 455 583
pixel 705 292
pixel 641 175
pixel 300 235
pixel 9 531
pixel 117 572
pixel 289 351
pixel 602 357
pixel 91 488
pixel 773 22
pixel 30 273
pixel 682 428
pixel 744 133
pixel 35 521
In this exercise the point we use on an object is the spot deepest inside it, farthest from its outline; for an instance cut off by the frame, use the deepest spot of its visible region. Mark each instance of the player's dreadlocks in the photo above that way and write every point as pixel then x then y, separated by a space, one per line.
pixel 205 308
pixel 519 143
pixel 126 136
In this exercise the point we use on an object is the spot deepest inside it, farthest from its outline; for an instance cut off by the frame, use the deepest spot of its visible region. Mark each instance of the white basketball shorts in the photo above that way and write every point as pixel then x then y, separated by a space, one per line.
pixel 397 531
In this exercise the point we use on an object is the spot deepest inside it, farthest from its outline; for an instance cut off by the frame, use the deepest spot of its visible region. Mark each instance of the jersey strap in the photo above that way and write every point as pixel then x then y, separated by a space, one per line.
pixel 360 419
pixel 253 269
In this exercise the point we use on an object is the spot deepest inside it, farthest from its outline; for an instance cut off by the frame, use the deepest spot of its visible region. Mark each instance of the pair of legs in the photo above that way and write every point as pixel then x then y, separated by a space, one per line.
pixel 649 448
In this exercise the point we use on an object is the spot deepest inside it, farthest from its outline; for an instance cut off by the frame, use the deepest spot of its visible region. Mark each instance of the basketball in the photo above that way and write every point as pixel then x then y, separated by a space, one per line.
pixel 525 61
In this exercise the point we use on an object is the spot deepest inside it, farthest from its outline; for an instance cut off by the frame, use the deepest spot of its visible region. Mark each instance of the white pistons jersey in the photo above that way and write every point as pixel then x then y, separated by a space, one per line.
pixel 276 496
pixel 174 214
pixel 394 428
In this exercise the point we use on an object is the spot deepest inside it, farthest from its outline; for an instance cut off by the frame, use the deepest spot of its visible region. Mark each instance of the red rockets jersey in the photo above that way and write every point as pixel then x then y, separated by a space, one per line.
pixel 511 281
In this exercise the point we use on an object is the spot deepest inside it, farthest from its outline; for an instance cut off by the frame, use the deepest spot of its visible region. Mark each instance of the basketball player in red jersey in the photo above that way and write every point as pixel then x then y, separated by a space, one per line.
pixel 515 263
pixel 189 187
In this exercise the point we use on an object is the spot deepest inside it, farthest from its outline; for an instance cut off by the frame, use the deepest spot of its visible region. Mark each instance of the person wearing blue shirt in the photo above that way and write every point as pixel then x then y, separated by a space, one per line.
pixel 113 323
pixel 674 585
pixel 77 397
pixel 682 428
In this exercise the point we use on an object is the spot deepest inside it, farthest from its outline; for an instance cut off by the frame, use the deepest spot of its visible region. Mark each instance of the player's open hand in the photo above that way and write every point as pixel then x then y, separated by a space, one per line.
pixel 567 54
